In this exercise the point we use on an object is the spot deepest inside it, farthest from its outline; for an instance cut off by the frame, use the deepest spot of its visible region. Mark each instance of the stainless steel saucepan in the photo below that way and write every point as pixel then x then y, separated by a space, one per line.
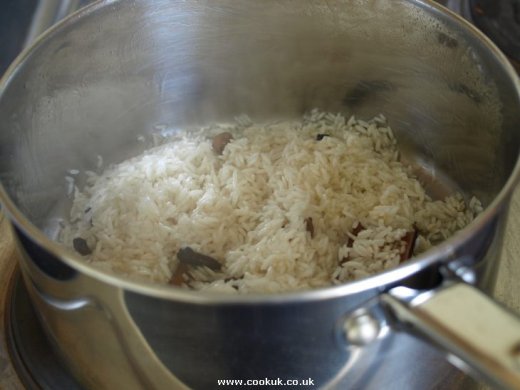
pixel 119 69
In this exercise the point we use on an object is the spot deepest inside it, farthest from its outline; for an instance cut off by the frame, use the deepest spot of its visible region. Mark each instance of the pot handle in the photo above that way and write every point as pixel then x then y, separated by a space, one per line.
pixel 477 333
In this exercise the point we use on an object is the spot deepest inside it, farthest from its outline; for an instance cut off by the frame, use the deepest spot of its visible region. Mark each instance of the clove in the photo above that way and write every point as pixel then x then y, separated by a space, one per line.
pixel 81 246
pixel 319 137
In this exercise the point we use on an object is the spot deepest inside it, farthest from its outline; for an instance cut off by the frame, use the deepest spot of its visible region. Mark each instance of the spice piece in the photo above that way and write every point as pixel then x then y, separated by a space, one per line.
pixel 319 137
pixel 409 240
pixel 189 257
pixel 177 278
pixel 357 229
pixel 80 245
pixel 233 278
pixel 220 141
pixel 309 226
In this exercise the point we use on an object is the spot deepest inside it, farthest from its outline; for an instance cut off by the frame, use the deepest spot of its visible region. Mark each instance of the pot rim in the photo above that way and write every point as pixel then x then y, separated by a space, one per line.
pixel 433 256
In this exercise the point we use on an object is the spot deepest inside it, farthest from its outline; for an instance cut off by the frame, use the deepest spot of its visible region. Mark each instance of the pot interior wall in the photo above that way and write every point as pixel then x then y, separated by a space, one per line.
pixel 133 68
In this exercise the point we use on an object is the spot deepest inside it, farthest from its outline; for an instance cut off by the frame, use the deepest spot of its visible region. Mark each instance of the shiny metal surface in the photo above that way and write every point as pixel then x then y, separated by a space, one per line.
pixel 125 68
pixel 38 367
pixel 49 12
pixel 361 328
pixel 483 337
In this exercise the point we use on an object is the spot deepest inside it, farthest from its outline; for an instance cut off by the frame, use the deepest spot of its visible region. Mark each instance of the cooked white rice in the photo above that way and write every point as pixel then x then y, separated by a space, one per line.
pixel 249 207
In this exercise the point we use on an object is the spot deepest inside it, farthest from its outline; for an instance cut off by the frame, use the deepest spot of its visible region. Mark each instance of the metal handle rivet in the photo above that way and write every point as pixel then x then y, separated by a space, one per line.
pixel 361 328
